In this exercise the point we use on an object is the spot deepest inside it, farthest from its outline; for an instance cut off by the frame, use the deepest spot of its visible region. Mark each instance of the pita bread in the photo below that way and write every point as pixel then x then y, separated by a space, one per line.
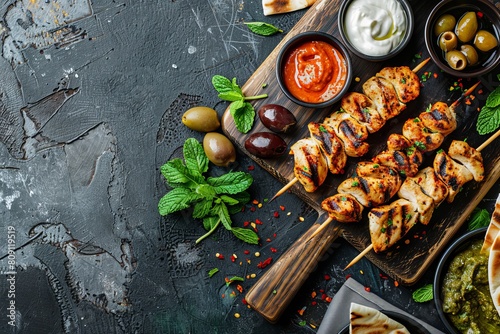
pixel 272 7
pixel 367 320
pixel 493 228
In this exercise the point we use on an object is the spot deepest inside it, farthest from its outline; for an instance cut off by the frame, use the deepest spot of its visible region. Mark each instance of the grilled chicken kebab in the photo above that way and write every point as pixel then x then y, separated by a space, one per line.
pixel 421 194
pixel 344 133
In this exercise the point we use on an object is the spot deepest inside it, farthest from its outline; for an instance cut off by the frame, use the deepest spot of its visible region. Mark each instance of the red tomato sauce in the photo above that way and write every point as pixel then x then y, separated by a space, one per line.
pixel 315 72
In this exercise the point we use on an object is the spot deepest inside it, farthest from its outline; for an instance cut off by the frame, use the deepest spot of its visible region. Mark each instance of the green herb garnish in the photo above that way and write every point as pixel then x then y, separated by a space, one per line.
pixel 489 116
pixel 423 294
pixel 262 28
pixel 234 279
pixel 480 218
pixel 213 271
pixel 213 199
pixel 242 111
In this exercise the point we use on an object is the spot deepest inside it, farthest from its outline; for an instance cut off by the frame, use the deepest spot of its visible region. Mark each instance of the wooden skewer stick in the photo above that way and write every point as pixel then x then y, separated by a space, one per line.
pixel 294 180
pixel 370 247
pixel 454 104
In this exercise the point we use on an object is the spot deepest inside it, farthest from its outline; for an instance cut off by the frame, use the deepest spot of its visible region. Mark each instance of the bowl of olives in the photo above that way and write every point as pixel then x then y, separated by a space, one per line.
pixel 462 37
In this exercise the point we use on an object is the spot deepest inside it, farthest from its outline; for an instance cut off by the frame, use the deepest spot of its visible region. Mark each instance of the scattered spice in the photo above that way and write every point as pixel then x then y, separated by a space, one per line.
pixel 219 256
pixel 264 263
pixel 237 315
pixel 327 277
pixel 367 289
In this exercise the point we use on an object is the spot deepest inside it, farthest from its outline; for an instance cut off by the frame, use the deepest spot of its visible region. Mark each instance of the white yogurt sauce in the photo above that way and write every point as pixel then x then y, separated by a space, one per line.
pixel 375 27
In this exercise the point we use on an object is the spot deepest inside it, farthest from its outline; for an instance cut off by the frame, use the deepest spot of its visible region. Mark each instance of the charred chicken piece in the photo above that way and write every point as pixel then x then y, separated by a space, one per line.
pixel 351 132
pixel 369 191
pixel 389 223
pixel 431 185
pixel 421 137
pixel 439 118
pixel 310 165
pixel 330 145
pixel 370 169
pixel 343 208
pixel 469 157
pixel 397 160
pixel 405 81
pixel 384 97
pixel 362 109
pixel 411 191
pixel 452 173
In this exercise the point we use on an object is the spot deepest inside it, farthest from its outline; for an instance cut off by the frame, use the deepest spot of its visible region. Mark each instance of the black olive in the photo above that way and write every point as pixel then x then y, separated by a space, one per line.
pixel 277 118
pixel 265 145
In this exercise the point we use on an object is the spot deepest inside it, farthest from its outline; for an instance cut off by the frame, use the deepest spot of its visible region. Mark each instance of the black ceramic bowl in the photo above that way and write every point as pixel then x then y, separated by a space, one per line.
pixel 490 21
pixel 413 326
pixel 404 42
pixel 459 245
pixel 295 42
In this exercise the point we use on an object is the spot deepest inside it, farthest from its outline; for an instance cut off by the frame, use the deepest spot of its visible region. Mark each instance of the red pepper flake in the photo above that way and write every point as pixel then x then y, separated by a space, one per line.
pixel 396 284
pixel 480 15
pixel 252 209
pixel 274 250
pixel 327 277
pixel 276 214
pixel 219 256
pixel 435 75
pixel 367 289
pixel 251 167
pixel 313 303
pixel 255 202
pixel 480 91
pixel 265 263
pixel 268 240
pixel 246 223
pixel 239 288
pixel 328 299
pixel 321 290
pixel 282 207
pixel 313 294
pixel 244 301
pixel 258 221
pixel 382 276
pixel 424 232
pixel 223 295
pixel 301 311
pixel 246 252
pixel 323 296
pixel 274 235
pixel 348 276
pixel 233 258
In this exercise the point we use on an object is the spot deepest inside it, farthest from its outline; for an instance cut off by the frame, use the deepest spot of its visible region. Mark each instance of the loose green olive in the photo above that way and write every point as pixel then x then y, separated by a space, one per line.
pixel 277 118
pixel 448 41
pixel 219 149
pixel 470 53
pixel 466 27
pixel 265 145
pixel 456 60
pixel 203 119
pixel 444 23
pixel 485 41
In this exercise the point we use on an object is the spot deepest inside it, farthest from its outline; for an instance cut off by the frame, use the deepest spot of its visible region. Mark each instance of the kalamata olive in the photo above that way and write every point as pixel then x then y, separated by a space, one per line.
pixel 485 41
pixel 466 27
pixel 470 53
pixel 265 145
pixel 456 60
pixel 203 119
pixel 277 118
pixel 448 41
pixel 444 23
pixel 219 149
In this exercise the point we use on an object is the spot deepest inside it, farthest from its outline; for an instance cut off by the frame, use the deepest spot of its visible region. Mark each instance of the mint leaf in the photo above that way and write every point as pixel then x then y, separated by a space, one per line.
pixel 262 28
pixel 493 99
pixel 223 214
pixel 246 235
pixel 231 183
pixel 236 87
pixel 195 157
pixel 488 120
pixel 175 172
pixel 243 114
pixel 229 200
pixel 230 96
pixel 206 190
pixel 480 218
pixel 222 84
pixel 423 294
pixel 202 208
pixel 211 223
pixel 176 199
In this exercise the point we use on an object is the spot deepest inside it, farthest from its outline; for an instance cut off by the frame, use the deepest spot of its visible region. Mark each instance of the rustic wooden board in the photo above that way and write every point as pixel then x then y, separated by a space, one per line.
pixel 405 263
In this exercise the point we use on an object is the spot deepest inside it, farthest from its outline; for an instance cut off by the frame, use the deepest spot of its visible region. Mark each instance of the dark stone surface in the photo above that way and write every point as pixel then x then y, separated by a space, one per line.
pixel 89 111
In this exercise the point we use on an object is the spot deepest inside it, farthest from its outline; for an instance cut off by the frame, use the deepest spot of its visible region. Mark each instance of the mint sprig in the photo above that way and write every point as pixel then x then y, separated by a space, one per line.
pixel 213 199
pixel 242 111
pixel 423 294
pixel 480 218
pixel 489 116
pixel 262 28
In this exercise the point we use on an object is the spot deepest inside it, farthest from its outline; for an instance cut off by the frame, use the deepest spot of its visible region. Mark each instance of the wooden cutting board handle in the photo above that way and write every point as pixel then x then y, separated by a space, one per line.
pixel 273 292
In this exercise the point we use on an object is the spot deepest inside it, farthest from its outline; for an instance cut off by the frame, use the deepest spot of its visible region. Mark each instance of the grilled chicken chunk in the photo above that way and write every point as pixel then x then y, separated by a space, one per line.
pixel 452 173
pixel 397 160
pixel 384 97
pixel 431 185
pixel 310 166
pixel 411 191
pixel 398 142
pixel 389 223
pixel 351 132
pixel 405 81
pixel 343 208
pixel 369 191
pixel 370 169
pixel 421 137
pixel 440 118
pixel 469 157
pixel 330 145
pixel 362 108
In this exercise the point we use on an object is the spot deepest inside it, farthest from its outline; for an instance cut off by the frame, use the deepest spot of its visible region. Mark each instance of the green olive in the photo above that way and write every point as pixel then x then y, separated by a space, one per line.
pixel 444 23
pixel 466 27
pixel 219 149
pixel 448 41
pixel 470 53
pixel 456 60
pixel 203 119
pixel 485 41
